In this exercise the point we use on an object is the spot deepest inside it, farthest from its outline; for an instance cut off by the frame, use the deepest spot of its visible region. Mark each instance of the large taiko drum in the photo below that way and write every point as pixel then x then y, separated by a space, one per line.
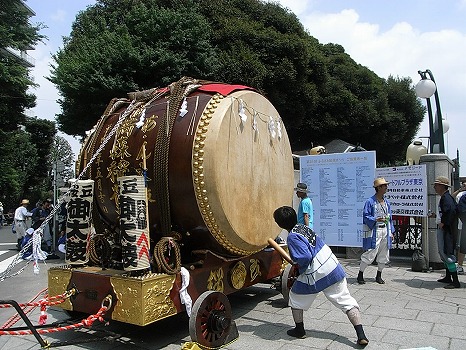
pixel 218 163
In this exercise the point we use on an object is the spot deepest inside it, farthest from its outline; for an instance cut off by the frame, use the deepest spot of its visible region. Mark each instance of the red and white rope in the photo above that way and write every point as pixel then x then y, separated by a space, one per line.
pixel 42 303
pixel 87 322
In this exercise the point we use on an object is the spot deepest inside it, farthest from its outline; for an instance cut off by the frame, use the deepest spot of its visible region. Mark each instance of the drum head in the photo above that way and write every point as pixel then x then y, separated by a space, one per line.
pixel 242 170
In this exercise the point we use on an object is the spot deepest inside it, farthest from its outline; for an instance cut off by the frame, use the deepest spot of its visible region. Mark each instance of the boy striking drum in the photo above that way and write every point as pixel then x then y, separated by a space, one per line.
pixel 319 271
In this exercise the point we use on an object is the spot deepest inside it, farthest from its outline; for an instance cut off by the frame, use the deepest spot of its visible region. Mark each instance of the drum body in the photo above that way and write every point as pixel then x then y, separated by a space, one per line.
pixel 226 165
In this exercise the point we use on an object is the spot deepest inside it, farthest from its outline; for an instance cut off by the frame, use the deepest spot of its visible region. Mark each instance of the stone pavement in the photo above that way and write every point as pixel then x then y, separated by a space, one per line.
pixel 412 310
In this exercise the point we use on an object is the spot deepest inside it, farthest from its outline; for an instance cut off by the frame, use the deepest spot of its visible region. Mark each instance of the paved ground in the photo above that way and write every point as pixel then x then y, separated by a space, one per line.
pixel 412 310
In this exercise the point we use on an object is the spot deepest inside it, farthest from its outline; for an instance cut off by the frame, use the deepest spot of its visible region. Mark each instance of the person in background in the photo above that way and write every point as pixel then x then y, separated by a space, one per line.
pixel 1 214
pixel 461 211
pixel 446 235
pixel 305 210
pixel 36 216
pixel 61 244
pixel 27 237
pixel 319 271
pixel 47 236
pixel 378 231
pixel 21 215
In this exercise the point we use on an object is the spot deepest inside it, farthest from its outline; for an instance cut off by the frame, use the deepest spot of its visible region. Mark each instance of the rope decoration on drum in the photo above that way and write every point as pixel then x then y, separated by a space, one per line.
pixel 167 256
pixel 274 126
pixel 178 91
pixel 90 142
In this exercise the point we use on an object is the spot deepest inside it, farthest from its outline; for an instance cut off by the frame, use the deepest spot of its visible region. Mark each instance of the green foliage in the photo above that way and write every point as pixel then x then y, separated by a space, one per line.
pixel 19 158
pixel 18 151
pixel 14 98
pixel 62 157
pixel 42 133
pixel 15 33
pixel 117 49
pixel 117 46
pixel 28 158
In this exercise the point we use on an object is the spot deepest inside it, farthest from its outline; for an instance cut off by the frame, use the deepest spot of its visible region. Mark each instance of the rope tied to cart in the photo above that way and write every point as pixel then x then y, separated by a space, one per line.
pixel 42 303
pixel 87 322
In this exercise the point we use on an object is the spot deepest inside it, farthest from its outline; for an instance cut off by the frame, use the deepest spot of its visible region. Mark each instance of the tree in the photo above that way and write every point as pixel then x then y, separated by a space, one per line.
pixel 62 158
pixel 121 45
pixel 15 33
pixel 42 133
pixel 19 157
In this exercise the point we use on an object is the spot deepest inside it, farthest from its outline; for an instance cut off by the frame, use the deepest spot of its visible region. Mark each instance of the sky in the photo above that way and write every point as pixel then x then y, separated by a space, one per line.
pixel 390 37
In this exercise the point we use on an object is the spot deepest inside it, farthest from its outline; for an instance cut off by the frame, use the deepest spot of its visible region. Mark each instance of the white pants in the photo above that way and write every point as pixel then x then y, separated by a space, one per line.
pixel 20 227
pixel 380 250
pixel 338 294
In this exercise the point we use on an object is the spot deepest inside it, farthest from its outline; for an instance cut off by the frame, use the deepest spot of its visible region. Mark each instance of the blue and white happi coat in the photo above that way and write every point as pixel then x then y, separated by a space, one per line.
pixel 319 268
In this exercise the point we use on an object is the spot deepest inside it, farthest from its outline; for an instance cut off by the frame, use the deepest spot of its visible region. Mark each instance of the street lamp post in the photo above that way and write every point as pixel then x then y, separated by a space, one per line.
pixel 425 88
pixel 435 163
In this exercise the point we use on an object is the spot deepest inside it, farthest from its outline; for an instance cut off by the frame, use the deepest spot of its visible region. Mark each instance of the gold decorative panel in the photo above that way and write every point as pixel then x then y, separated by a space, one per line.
pixel 58 281
pixel 254 268
pixel 215 280
pixel 143 300
pixel 238 275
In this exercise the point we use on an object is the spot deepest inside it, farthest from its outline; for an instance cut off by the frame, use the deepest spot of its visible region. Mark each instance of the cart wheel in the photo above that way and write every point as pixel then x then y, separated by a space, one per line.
pixel 287 279
pixel 210 321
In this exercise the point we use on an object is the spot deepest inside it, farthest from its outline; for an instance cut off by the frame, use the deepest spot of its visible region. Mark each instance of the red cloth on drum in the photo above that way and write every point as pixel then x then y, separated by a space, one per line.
pixel 224 89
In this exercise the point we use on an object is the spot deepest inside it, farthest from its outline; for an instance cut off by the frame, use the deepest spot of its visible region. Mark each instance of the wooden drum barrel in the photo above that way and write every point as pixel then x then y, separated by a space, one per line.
pixel 218 163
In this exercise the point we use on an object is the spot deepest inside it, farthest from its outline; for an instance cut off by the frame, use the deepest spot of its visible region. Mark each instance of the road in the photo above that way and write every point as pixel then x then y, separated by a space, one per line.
pixel 411 310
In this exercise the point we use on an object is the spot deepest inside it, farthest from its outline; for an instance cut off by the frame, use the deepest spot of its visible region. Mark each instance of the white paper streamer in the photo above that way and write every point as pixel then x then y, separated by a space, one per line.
pixel 184 108
pixel 254 122
pixel 271 127
pixel 142 117
pixel 37 252
pixel 241 112
pixel 279 129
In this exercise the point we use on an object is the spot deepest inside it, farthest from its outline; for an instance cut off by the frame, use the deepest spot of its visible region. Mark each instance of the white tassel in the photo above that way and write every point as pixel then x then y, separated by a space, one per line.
pixel 184 296
pixel 37 252
pixel 241 112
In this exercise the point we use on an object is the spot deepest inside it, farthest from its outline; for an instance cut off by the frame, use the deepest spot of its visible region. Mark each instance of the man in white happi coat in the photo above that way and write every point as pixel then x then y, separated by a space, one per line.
pixel 21 215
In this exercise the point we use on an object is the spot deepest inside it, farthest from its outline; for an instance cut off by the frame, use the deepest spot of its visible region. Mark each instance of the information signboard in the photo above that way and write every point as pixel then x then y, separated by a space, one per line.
pixel 339 185
pixel 407 191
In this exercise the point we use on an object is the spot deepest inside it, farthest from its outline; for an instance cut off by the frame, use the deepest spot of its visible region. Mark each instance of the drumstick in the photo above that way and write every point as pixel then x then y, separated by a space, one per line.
pixel 279 249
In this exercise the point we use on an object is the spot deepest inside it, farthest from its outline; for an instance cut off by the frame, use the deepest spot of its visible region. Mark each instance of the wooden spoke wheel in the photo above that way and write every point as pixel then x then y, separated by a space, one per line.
pixel 288 277
pixel 210 321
